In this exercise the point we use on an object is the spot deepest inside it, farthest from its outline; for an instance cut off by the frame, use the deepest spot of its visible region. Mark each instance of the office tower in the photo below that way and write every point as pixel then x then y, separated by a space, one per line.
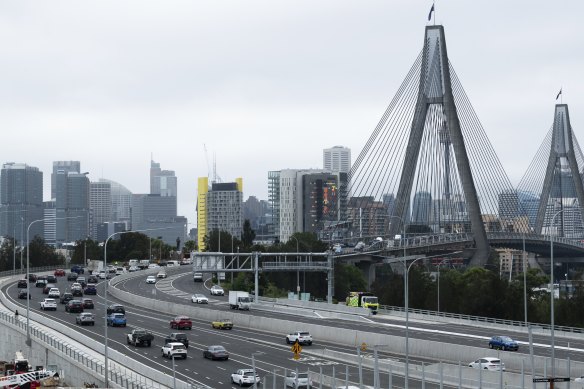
pixel 274 204
pixel 158 215
pixel 421 208
pixel 162 182
pixel 337 159
pixel 121 203
pixel 219 208
pixel 64 166
pixel 100 203
pixel 72 206
pixel 21 196
pixel 50 223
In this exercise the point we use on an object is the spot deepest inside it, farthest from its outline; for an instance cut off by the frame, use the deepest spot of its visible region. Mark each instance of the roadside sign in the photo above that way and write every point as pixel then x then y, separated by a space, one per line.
pixel 363 346
pixel 296 348
pixel 296 356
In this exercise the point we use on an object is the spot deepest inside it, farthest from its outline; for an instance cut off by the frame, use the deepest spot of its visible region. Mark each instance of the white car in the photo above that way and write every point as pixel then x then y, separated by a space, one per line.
pixel 76 285
pixel 161 274
pixel 244 377
pixel 54 292
pixel 294 381
pixel 199 299
pixel 102 275
pixel 133 269
pixel 488 363
pixel 216 290
pixel 579 379
pixel 49 304
pixel 302 337
pixel 150 280
pixel 153 266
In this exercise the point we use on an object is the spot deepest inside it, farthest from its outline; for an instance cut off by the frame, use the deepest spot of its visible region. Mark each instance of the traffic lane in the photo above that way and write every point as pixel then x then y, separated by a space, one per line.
pixel 442 332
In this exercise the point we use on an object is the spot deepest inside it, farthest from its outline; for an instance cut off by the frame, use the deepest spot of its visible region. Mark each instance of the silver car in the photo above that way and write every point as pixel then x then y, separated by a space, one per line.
pixel 85 318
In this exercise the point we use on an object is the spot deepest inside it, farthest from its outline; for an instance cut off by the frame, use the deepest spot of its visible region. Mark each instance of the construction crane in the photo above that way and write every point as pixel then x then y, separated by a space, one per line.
pixel 19 380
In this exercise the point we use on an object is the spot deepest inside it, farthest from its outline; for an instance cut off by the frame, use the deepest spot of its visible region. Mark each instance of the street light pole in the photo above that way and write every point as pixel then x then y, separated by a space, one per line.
pixel 403 239
pixel 524 282
pixel 552 294
pixel 255 383
pixel 297 270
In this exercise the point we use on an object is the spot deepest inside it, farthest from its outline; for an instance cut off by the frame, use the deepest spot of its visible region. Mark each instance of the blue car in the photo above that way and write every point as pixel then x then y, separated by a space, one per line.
pixel 503 343
pixel 116 320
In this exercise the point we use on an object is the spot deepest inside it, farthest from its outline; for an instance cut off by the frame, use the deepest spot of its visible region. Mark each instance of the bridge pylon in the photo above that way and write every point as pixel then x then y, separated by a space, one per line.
pixel 559 194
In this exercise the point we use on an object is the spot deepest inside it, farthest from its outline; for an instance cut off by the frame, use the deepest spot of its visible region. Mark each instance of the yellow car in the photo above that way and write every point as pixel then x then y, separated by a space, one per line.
pixel 223 324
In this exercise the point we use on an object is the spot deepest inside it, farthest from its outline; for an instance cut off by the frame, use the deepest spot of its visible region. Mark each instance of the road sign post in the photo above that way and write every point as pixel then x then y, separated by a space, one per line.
pixel 296 349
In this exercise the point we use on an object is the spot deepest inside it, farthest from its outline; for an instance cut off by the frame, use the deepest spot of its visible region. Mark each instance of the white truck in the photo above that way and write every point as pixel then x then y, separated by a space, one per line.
pixel 94 266
pixel 239 300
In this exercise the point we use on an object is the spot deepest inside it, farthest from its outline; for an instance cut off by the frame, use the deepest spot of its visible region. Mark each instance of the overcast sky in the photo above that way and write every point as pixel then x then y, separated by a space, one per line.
pixel 265 85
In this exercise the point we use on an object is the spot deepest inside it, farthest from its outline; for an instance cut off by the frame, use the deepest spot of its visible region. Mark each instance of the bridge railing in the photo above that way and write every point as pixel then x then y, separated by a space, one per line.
pixel 388 309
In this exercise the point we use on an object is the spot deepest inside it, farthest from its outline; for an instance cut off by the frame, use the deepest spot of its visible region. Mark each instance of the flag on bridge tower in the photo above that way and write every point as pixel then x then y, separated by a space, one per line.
pixel 430 14
pixel 559 94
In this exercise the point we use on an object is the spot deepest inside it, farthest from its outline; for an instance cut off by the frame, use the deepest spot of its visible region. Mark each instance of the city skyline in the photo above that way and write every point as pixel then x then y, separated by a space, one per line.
pixel 115 98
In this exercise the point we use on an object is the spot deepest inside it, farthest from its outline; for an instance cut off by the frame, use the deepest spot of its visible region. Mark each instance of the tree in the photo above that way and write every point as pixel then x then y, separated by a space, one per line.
pixel 220 241
pixel 190 245
pixel 87 248
pixel 248 235
pixel 41 254
pixel 348 278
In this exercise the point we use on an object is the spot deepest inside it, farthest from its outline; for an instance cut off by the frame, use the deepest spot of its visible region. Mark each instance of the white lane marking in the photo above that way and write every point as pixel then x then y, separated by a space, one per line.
pixel 222 368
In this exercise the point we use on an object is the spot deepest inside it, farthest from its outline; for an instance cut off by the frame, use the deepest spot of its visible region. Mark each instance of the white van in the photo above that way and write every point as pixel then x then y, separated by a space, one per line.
pixel 198 277
pixel 172 263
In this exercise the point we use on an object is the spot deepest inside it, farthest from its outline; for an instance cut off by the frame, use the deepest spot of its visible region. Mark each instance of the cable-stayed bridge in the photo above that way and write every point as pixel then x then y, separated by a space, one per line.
pixel 429 179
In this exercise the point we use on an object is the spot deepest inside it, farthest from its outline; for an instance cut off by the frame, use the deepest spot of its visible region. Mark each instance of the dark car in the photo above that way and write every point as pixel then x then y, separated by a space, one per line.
pixel 90 289
pixel 181 322
pixel 179 337
pixel 92 280
pixel 48 287
pixel 216 352
pixel 87 303
pixel 40 283
pixel 503 343
pixel 77 269
pixel 22 294
pixel 32 277
pixel 51 279
pixel 115 308
pixel 22 284
pixel 66 297
pixel 72 277
pixel 77 292
pixel 74 306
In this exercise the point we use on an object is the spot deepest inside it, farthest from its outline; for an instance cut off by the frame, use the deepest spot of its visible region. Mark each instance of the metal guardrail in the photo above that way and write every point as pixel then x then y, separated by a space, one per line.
pixel 481 319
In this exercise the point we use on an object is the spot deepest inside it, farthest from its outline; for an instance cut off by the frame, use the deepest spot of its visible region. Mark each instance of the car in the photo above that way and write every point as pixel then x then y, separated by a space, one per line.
pixel 85 318
pixel 90 289
pixel 244 377
pixel 51 279
pixel 216 290
pixel 298 380
pixel 81 281
pixel 302 337
pixel 503 343
pixel 579 379
pixel 150 280
pixel 134 268
pixel 216 352
pixel 22 294
pixel 47 288
pixel 77 291
pixel 116 308
pixel 179 337
pixel 92 280
pixel 139 337
pixel 120 271
pixel 66 297
pixel 49 304
pixel 488 363
pixel 77 269
pixel 116 319
pixel 74 306
pixel 153 266
pixel 102 275
pixel 40 283
pixel 199 298
pixel 76 285
pixel 22 284
pixel 59 273
pixel 161 274
pixel 54 293
pixel 87 303
pixel 222 324
pixel 174 350
pixel 72 276
pixel 181 322
pixel 198 277
pixel 32 277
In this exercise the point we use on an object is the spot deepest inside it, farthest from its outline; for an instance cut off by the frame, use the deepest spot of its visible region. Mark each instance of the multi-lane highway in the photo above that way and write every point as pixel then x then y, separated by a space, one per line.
pixel 270 348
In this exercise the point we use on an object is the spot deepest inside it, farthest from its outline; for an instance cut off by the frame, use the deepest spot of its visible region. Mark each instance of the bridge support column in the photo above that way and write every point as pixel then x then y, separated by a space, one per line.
pixel 368 270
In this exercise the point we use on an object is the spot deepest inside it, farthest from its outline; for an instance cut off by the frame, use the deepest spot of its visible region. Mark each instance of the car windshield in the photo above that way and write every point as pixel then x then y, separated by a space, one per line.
pixel 118 316
pixel 304 334
pixel 248 373
pixel 180 336
pixel 302 375
pixel 217 348
pixel 506 339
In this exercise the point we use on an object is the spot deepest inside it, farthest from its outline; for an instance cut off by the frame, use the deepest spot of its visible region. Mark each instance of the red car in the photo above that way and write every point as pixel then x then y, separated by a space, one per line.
pixel 181 322
pixel 59 273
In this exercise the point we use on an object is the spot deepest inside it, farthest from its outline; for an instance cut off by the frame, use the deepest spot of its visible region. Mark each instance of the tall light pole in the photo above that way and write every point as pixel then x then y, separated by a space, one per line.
pixel 552 294
pixel 407 270
pixel 297 270
pixel 524 282
pixel 255 383
pixel 105 354
pixel 403 239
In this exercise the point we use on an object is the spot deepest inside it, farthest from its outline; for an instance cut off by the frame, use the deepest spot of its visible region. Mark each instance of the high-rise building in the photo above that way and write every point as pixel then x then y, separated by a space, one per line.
pixel 50 223
pixel 155 216
pixel 72 206
pixel 162 182
pixel 421 208
pixel 219 208
pixel 21 196
pixel 121 203
pixel 64 166
pixel 337 159
pixel 100 203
